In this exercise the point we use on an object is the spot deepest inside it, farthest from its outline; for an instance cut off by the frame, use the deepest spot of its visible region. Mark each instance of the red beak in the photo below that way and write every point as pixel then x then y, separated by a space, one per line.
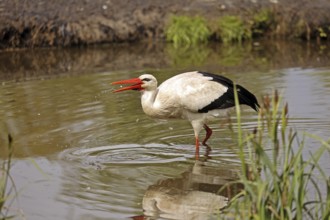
pixel 135 81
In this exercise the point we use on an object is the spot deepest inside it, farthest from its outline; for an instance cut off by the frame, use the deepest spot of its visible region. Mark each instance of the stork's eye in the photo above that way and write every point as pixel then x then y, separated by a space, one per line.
pixel 146 79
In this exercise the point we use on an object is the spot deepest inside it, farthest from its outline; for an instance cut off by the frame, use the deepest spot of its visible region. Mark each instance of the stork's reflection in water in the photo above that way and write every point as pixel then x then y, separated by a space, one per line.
pixel 194 195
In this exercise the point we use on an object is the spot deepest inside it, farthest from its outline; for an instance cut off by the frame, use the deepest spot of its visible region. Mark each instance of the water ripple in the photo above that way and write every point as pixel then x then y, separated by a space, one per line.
pixel 128 154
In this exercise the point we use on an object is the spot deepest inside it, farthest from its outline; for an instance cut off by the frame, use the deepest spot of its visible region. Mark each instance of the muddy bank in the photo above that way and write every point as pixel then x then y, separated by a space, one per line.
pixel 43 23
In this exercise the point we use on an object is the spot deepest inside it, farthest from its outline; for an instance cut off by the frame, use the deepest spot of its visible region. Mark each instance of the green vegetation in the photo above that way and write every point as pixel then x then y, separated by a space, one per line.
pixel 233 29
pixel 190 31
pixel 262 22
pixel 186 31
pixel 278 182
pixel 6 192
pixel 323 32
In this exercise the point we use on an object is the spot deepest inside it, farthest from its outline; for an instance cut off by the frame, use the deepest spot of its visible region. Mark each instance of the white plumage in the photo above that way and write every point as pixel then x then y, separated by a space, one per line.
pixel 192 90
pixel 195 96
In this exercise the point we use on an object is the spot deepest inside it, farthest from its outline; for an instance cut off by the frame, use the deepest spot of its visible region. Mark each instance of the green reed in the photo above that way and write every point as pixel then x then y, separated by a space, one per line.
pixel 279 183
pixel 6 192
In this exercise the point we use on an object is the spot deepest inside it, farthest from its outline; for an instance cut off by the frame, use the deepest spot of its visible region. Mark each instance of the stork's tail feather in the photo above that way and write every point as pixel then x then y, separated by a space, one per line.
pixel 247 98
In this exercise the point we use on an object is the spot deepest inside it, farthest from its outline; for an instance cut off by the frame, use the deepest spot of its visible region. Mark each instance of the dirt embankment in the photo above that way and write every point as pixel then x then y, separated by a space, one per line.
pixel 43 23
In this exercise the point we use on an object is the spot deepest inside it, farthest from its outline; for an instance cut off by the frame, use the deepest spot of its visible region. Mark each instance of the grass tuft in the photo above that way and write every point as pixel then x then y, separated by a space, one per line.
pixel 186 31
pixel 233 29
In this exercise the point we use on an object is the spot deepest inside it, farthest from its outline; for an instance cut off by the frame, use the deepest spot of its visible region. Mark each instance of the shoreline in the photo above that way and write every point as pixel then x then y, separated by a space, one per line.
pixel 60 23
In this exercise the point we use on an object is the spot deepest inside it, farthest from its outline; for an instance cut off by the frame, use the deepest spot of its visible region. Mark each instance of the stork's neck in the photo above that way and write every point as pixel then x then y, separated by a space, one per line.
pixel 148 100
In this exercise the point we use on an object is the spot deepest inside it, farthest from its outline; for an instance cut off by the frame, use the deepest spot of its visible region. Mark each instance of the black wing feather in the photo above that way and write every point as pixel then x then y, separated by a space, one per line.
pixel 227 100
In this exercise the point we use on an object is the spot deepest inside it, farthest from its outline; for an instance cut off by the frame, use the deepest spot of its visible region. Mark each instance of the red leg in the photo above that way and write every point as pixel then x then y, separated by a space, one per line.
pixel 197 149
pixel 208 133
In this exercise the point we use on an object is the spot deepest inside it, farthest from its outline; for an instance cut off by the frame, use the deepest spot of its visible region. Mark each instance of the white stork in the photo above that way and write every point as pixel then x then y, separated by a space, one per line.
pixel 195 96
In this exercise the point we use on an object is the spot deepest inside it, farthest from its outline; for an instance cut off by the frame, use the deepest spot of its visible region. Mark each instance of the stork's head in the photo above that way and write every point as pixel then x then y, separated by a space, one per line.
pixel 144 82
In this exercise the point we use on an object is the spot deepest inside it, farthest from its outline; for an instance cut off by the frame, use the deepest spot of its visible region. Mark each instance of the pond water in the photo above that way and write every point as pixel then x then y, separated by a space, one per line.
pixel 82 152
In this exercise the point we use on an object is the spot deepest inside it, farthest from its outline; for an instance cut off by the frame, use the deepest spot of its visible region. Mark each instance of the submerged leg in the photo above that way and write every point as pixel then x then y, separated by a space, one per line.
pixel 198 126
pixel 197 148
pixel 208 133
